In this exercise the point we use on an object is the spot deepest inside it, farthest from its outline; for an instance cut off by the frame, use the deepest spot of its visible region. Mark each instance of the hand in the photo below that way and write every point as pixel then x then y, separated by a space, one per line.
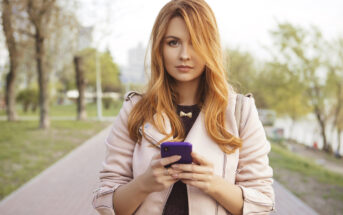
pixel 199 174
pixel 157 178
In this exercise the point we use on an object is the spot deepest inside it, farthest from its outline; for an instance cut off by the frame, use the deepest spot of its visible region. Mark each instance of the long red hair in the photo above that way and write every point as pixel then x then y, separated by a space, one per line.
pixel 161 97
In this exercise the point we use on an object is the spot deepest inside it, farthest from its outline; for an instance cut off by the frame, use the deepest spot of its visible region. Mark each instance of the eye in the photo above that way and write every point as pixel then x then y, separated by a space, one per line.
pixel 173 43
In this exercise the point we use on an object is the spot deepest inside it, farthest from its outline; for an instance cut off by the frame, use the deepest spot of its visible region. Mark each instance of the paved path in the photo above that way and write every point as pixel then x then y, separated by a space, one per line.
pixel 289 204
pixel 66 187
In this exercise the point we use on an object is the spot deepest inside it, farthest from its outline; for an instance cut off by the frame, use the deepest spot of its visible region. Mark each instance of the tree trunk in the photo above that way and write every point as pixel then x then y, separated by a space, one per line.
pixel 339 140
pixel 81 84
pixel 322 129
pixel 44 121
pixel 10 92
pixel 13 57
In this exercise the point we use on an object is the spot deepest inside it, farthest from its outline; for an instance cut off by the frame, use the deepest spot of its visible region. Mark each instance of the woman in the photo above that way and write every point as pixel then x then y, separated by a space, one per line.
pixel 187 99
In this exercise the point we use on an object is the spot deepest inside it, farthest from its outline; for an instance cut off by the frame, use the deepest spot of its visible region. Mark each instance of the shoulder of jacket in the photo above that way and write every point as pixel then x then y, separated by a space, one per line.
pixel 240 108
pixel 249 95
pixel 242 98
pixel 131 94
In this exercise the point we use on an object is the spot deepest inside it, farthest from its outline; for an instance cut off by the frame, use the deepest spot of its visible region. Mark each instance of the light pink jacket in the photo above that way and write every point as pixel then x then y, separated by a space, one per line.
pixel 248 168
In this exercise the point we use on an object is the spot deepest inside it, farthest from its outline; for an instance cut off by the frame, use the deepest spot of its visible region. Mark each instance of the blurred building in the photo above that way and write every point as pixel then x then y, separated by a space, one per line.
pixel 134 71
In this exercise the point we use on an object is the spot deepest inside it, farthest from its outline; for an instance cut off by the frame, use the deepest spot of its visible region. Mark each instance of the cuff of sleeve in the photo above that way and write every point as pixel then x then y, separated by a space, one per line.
pixel 103 200
pixel 255 202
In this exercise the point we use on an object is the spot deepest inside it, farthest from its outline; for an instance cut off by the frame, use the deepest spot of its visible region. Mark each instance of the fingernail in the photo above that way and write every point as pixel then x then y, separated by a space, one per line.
pixel 175 175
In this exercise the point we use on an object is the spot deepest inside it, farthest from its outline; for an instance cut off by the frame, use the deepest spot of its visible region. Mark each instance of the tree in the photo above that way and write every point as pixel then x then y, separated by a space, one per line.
pixel 81 85
pixel 8 28
pixel 40 14
pixel 243 74
pixel 38 27
pixel 283 91
pixel 303 52
pixel 61 45
pixel 335 85
pixel 109 71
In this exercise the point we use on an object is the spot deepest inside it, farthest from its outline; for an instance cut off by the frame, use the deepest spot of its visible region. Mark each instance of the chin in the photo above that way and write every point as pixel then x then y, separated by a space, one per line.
pixel 184 80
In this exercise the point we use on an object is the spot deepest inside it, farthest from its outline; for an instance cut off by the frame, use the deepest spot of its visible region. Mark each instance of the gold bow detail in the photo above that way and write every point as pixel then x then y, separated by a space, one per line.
pixel 189 114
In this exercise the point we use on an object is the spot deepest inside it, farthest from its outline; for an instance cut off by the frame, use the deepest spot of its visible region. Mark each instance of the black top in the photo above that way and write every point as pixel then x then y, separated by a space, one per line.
pixel 177 203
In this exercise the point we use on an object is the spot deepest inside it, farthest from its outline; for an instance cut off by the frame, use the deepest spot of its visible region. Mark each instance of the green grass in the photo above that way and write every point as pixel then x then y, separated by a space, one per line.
pixel 281 157
pixel 334 194
pixel 25 150
pixel 70 110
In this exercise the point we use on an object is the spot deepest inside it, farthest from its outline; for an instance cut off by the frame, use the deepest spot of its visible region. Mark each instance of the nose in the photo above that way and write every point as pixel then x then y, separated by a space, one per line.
pixel 184 55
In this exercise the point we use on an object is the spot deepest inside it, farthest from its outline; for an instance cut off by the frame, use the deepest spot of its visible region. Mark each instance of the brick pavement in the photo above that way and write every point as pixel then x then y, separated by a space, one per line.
pixel 66 187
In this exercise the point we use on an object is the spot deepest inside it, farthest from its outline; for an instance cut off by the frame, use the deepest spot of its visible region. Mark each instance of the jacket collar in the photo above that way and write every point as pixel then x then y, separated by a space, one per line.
pixel 154 136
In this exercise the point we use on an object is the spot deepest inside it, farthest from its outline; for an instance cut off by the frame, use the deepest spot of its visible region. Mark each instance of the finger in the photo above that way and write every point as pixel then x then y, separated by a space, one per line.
pixel 198 184
pixel 169 179
pixel 166 161
pixel 200 159
pixel 169 160
pixel 166 171
pixel 193 168
pixel 193 176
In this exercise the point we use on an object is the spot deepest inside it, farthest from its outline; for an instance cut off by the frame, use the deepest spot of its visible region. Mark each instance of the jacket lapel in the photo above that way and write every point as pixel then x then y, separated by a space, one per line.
pixel 153 135
pixel 197 136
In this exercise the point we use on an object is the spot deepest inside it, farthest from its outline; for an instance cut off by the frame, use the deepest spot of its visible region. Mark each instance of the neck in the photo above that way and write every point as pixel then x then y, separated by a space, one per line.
pixel 188 92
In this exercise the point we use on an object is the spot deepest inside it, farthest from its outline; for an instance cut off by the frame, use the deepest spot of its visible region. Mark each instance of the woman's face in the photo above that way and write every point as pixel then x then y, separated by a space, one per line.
pixel 180 59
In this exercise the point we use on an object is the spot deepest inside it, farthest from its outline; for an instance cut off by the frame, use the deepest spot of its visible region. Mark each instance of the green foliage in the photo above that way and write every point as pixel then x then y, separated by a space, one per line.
pixel 110 74
pixel 335 82
pixel 241 70
pixel 66 78
pixel 284 91
pixel 111 104
pixel 107 102
pixel 28 98
pixel 137 87
pixel 302 54
pixel 244 76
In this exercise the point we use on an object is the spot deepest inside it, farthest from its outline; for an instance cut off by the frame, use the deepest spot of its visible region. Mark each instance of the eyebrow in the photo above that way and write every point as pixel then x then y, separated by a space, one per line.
pixel 173 37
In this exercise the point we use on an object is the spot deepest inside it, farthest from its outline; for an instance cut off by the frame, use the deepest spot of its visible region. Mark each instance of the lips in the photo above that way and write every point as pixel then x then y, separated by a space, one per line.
pixel 184 68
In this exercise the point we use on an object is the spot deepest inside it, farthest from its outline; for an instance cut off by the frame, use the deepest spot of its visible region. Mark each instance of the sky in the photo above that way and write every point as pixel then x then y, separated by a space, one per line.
pixel 121 25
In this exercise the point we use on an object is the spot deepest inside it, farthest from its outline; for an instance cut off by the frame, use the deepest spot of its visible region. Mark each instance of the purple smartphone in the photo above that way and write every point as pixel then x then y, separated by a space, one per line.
pixel 177 148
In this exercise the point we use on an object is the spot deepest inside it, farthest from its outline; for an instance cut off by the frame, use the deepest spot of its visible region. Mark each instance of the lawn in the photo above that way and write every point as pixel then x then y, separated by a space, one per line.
pixel 318 187
pixel 25 150
pixel 283 158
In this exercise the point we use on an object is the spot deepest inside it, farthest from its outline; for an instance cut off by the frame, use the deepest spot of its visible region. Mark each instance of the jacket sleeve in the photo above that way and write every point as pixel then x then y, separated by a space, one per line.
pixel 254 175
pixel 117 166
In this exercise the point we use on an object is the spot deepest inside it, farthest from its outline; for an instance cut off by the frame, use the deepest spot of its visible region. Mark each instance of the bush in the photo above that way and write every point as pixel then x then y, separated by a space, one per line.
pixel 28 98
pixel 107 102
